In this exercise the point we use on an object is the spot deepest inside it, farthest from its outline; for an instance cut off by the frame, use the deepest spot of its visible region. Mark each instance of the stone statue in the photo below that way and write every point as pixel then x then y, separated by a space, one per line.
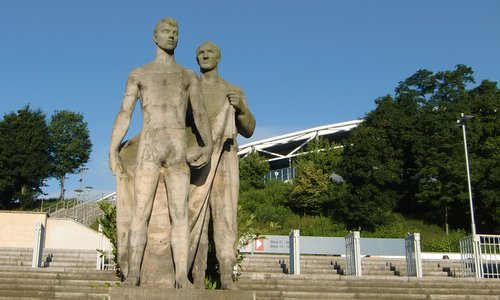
pixel 167 91
pixel 215 187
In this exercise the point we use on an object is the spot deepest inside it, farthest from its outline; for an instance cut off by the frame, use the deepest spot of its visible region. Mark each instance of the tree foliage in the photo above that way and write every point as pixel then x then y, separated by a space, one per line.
pixel 312 188
pixel 408 154
pixel 70 144
pixel 24 157
pixel 253 170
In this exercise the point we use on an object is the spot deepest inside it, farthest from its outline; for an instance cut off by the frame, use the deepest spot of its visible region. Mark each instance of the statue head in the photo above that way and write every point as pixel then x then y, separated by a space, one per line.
pixel 166 34
pixel 208 56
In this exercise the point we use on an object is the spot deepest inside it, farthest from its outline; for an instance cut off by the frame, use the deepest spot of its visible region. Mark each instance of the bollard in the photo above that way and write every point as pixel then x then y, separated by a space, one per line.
pixel 294 252
pixel 35 262
pixel 100 246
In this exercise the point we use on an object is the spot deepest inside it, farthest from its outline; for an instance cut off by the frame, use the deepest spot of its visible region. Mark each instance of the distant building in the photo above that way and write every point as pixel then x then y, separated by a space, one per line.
pixel 281 150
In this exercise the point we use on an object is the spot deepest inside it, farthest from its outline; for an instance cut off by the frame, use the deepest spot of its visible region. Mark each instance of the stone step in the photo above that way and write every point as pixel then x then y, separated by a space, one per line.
pixel 261 269
pixel 74 265
pixel 42 273
pixel 74 259
pixel 27 294
pixel 74 254
pixel 483 286
pixel 289 295
pixel 15 262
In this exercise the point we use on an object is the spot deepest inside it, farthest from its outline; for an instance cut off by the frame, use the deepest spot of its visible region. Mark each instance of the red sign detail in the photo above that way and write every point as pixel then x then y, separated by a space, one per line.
pixel 259 245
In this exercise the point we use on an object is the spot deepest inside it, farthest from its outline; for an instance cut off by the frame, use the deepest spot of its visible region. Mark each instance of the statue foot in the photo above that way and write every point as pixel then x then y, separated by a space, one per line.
pixel 199 285
pixel 184 284
pixel 131 282
pixel 228 284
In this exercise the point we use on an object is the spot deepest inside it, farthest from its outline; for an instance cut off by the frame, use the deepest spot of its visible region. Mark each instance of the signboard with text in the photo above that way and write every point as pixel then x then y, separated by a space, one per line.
pixel 279 244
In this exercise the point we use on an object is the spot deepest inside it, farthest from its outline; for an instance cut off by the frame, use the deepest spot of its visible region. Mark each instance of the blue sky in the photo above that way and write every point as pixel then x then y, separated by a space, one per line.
pixel 301 63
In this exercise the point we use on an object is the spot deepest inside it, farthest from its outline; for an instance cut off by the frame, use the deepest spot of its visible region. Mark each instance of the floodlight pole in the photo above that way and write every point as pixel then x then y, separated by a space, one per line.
pixel 461 122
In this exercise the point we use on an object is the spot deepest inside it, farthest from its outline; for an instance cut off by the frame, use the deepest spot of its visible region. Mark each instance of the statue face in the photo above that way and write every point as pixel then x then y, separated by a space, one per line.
pixel 166 37
pixel 207 57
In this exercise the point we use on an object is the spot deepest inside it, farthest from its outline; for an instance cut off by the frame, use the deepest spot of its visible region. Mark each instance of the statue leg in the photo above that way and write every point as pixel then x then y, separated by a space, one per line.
pixel 124 208
pixel 177 182
pixel 223 206
pixel 145 183
pixel 200 260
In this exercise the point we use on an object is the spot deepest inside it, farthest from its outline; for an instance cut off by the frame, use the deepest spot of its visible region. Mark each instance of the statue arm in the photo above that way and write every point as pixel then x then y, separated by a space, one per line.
pixel 245 121
pixel 201 120
pixel 122 123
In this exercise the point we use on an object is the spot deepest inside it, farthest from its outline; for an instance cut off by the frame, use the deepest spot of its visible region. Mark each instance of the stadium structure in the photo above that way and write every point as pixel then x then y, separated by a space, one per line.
pixel 280 151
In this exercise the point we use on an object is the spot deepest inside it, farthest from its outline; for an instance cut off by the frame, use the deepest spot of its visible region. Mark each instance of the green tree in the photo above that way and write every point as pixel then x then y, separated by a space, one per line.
pixel 408 154
pixel 483 132
pixel 313 189
pixel 253 170
pixel 24 157
pixel 372 169
pixel 309 189
pixel 70 144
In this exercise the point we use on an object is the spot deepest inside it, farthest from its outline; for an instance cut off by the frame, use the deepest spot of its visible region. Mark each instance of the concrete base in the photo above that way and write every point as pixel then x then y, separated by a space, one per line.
pixel 155 293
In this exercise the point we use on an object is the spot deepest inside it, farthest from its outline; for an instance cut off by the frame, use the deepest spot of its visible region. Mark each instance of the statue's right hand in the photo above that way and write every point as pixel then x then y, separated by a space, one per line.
pixel 115 163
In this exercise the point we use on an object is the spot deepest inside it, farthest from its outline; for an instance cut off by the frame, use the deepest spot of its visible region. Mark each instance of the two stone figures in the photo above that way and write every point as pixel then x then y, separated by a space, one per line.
pixel 181 171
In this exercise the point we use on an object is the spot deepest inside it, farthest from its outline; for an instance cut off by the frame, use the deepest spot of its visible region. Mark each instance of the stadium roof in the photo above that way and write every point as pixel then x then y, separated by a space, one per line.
pixel 281 149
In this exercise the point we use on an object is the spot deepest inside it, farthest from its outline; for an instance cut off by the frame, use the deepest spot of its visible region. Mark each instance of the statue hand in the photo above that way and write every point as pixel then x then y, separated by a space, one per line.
pixel 115 163
pixel 236 100
pixel 200 157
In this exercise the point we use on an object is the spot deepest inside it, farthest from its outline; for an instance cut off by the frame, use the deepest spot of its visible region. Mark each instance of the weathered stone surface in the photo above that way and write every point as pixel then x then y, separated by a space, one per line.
pixel 215 187
pixel 165 90
pixel 155 293
pixel 170 184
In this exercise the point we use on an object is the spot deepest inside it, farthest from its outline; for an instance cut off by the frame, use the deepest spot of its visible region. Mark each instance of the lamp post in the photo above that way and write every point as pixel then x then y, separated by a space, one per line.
pixel 461 122
pixel 88 188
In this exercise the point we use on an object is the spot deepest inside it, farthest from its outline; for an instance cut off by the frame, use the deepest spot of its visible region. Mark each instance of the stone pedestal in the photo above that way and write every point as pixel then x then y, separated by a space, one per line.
pixel 156 293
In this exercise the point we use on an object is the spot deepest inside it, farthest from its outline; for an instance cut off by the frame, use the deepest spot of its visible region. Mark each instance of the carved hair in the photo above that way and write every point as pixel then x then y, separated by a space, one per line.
pixel 210 44
pixel 169 21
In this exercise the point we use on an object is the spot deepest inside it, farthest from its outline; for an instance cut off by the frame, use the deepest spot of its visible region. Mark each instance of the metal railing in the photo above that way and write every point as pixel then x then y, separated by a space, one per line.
pixel 353 254
pixel 413 255
pixel 84 212
pixel 480 256
pixel 104 256
pixel 284 174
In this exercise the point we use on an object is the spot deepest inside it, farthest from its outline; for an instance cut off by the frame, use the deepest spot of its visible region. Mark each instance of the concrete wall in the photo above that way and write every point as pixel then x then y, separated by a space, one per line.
pixel 69 234
pixel 17 229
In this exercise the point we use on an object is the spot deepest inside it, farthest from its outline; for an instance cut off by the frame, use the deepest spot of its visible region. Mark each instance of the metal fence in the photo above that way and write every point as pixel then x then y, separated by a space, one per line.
pixel 353 254
pixel 480 256
pixel 413 255
pixel 284 174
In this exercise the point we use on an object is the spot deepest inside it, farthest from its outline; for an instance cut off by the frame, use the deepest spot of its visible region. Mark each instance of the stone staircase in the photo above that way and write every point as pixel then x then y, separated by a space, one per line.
pixel 60 259
pixel 72 275
pixel 321 286
pixel 336 265
pixel 47 283
pixel 16 257
pixel 67 274
pixel 70 260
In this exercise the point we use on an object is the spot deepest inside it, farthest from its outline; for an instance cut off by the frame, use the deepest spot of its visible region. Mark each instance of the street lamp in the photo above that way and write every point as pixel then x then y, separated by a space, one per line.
pixel 88 188
pixel 461 122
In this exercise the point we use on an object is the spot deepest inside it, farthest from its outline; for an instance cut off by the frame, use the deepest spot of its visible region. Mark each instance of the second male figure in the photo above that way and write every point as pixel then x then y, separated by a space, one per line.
pixel 214 188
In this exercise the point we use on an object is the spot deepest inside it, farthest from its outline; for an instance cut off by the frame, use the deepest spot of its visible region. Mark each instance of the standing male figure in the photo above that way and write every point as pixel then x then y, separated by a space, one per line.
pixel 215 187
pixel 164 90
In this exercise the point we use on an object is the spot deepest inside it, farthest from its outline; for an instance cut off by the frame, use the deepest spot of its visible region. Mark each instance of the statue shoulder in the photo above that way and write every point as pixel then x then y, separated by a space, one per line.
pixel 189 73
pixel 139 70
pixel 231 87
